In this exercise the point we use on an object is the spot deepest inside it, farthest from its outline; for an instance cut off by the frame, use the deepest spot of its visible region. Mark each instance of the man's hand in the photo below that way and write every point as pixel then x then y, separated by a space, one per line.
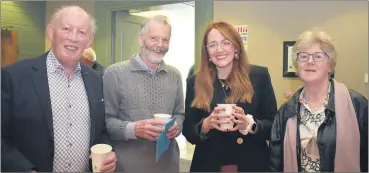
pixel 109 163
pixel 173 131
pixel 148 129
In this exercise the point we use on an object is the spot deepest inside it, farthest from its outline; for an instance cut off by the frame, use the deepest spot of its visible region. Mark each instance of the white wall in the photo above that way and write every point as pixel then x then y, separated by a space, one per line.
pixel 272 22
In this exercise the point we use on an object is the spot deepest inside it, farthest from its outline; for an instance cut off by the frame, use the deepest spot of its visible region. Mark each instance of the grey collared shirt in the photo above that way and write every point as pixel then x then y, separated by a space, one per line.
pixel 71 117
pixel 139 60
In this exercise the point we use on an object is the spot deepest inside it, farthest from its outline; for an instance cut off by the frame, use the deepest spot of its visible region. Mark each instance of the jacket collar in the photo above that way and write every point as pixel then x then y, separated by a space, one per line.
pixel 40 81
pixel 293 105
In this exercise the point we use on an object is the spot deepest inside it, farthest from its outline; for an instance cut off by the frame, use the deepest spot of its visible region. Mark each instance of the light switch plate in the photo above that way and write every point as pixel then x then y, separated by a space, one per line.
pixel 366 78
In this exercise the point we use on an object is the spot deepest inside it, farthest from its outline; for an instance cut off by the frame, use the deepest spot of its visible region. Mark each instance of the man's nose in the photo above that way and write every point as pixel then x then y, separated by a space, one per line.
pixel 73 36
pixel 160 43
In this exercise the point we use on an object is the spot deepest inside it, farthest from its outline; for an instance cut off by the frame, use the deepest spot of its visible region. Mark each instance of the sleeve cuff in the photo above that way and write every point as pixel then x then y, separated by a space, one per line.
pixel 259 125
pixel 203 136
pixel 256 127
pixel 130 131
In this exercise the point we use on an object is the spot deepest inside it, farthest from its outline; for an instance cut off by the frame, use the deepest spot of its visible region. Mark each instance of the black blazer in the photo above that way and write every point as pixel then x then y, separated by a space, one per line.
pixel 26 117
pixel 253 153
pixel 99 68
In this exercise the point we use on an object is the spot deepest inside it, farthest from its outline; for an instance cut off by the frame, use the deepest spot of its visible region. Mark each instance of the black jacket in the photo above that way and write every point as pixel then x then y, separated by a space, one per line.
pixel 27 138
pixel 326 133
pixel 253 153
pixel 99 68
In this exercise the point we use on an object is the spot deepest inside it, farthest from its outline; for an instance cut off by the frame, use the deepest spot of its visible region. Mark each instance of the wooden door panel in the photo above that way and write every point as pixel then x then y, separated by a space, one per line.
pixel 9 47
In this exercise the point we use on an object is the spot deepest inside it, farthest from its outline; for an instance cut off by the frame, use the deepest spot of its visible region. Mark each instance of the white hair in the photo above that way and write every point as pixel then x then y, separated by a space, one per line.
pixel 59 12
pixel 157 18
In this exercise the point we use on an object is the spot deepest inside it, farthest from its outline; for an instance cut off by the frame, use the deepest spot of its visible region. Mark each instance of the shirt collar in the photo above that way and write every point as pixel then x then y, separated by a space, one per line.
pixel 141 66
pixel 53 63
pixel 328 101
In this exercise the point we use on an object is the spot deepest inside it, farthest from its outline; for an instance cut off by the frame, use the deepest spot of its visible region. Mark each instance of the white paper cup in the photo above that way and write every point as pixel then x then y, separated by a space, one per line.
pixel 164 117
pixel 98 153
pixel 227 110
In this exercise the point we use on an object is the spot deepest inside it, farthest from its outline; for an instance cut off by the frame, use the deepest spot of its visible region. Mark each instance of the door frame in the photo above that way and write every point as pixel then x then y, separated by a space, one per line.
pixel 105 22
pixel 129 19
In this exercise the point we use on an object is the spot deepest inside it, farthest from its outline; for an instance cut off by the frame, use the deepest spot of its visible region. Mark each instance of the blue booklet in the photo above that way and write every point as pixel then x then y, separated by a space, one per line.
pixel 162 143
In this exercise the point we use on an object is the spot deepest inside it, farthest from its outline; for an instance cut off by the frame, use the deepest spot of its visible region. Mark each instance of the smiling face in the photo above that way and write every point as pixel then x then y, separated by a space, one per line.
pixel 155 42
pixel 70 34
pixel 221 51
pixel 317 65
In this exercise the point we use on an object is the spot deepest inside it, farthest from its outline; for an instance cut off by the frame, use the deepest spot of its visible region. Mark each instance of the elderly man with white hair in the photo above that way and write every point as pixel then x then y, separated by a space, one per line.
pixel 52 106
pixel 134 91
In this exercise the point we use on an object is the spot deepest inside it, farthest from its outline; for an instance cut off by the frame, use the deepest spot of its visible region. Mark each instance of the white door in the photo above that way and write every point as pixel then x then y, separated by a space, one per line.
pixel 126 32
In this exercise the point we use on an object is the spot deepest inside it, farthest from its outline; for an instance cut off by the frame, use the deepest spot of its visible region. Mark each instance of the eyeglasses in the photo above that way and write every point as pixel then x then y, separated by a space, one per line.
pixel 317 56
pixel 213 46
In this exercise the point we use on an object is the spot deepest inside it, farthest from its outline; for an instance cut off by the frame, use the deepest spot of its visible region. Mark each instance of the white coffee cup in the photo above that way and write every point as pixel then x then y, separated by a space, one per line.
pixel 98 154
pixel 164 117
pixel 228 110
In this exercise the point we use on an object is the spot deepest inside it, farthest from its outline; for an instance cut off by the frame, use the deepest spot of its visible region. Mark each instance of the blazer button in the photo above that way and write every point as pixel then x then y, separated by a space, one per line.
pixel 239 140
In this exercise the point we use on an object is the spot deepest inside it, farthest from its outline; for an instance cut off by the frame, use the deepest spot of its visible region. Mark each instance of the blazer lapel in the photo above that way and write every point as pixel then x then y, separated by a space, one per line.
pixel 89 85
pixel 40 82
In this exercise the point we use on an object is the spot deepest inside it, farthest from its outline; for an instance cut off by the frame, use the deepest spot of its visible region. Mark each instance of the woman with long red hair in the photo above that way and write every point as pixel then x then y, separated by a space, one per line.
pixel 225 76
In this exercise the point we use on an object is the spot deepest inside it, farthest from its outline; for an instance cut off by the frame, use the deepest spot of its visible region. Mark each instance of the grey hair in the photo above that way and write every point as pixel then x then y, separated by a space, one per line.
pixel 157 18
pixel 325 41
pixel 57 14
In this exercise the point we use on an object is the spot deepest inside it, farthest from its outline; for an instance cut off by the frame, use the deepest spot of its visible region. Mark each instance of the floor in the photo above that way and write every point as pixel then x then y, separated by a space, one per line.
pixel 184 165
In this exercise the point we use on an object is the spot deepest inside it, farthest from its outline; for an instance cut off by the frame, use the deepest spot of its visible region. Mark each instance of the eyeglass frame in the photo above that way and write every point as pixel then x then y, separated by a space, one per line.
pixel 217 44
pixel 312 56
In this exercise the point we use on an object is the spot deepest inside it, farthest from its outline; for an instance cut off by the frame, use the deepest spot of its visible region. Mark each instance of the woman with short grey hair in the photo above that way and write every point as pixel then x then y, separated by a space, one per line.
pixel 324 125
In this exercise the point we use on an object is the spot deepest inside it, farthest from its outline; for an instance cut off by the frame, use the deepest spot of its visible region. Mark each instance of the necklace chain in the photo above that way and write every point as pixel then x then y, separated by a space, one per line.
pixel 223 85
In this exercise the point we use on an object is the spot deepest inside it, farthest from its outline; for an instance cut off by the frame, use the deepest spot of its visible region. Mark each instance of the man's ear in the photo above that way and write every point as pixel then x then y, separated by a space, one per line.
pixel 50 32
pixel 140 39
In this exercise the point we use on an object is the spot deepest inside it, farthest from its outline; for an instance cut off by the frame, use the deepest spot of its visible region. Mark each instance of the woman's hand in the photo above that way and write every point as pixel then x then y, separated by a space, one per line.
pixel 213 121
pixel 243 122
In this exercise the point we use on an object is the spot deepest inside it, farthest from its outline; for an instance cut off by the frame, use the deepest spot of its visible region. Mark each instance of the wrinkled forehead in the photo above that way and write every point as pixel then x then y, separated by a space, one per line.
pixel 75 18
pixel 155 28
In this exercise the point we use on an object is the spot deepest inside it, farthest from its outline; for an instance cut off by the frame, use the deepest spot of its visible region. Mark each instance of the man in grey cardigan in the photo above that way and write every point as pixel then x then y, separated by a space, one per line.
pixel 134 91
